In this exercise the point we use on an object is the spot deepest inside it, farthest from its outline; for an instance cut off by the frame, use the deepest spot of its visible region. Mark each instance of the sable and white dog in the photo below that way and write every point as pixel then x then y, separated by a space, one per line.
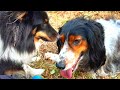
pixel 92 44
pixel 20 32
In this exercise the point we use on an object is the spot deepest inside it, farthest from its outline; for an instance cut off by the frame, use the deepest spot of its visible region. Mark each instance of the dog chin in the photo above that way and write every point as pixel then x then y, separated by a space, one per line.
pixel 67 72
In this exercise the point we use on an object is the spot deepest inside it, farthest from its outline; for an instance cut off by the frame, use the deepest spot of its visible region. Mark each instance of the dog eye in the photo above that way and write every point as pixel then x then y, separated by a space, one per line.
pixel 76 42
pixel 44 39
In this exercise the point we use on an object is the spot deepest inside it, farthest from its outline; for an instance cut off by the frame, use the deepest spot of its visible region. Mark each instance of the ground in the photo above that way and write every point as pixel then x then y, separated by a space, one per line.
pixel 57 19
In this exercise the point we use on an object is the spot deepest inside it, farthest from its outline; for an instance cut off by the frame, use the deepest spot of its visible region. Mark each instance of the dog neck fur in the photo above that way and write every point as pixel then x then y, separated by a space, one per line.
pixel 11 53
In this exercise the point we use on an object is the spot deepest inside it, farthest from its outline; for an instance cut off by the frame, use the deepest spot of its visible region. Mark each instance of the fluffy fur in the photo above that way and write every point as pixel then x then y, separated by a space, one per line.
pixel 20 32
pixel 92 44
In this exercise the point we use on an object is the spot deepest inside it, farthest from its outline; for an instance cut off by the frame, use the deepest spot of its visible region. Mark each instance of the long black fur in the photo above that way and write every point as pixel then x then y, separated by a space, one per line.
pixel 18 33
pixel 9 65
pixel 93 33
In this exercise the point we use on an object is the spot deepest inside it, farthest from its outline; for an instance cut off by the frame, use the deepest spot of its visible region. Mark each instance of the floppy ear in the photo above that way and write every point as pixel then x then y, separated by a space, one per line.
pixel 96 45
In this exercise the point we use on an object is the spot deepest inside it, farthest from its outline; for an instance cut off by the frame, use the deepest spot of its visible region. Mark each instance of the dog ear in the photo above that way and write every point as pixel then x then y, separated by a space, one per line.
pixel 96 45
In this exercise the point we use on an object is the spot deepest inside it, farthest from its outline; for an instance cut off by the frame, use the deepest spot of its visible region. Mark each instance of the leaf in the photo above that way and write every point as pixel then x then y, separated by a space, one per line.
pixel 52 72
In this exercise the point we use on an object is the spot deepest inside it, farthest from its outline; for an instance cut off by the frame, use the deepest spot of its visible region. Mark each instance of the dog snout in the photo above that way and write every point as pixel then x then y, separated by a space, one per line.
pixel 60 65
pixel 52 33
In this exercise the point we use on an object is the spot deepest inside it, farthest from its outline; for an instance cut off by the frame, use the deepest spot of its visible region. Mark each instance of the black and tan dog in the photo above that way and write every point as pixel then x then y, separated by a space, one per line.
pixel 20 32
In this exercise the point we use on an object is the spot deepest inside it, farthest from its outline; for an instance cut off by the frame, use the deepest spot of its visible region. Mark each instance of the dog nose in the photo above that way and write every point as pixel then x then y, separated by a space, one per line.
pixel 60 65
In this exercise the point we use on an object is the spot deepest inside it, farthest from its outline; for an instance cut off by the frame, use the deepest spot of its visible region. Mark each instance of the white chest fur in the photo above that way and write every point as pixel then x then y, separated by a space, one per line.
pixel 11 53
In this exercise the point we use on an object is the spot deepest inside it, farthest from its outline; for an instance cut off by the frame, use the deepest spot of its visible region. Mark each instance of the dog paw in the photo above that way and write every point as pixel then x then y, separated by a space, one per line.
pixel 52 56
pixel 29 71
pixel 101 73
pixel 34 59
pixel 48 55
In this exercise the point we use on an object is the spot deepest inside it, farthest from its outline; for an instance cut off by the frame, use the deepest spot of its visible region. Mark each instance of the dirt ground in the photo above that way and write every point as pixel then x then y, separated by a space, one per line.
pixel 57 19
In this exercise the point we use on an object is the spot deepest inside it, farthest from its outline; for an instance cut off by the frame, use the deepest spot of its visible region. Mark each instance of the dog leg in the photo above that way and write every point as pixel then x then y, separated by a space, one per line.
pixel 52 56
pixel 35 59
pixel 29 71
pixel 101 72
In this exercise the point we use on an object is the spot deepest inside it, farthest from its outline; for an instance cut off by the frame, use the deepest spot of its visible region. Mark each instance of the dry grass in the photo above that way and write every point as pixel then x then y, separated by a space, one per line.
pixel 57 19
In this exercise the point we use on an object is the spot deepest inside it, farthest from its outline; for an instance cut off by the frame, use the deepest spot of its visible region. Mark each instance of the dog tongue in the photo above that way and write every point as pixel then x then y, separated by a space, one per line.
pixel 66 73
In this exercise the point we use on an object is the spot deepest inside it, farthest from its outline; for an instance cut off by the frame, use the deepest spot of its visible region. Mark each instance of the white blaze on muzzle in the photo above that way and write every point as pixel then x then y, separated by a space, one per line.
pixel 67 56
